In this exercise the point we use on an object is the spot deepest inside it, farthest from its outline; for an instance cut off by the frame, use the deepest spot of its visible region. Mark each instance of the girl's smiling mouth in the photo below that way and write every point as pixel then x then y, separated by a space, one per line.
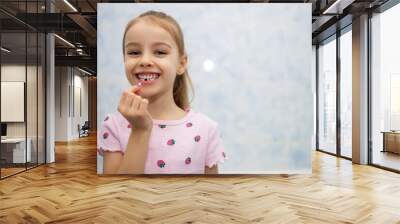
pixel 147 77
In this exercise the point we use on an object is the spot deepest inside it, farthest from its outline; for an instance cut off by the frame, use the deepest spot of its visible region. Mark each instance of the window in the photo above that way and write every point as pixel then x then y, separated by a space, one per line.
pixel 327 96
pixel 385 88
pixel 346 93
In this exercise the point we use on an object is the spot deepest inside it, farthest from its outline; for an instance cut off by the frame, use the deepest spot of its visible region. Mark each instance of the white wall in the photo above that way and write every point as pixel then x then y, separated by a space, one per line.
pixel 80 84
pixel 61 103
pixel 67 115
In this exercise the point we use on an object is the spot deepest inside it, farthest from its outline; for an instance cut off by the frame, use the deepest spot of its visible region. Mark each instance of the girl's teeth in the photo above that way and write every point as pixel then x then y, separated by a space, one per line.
pixel 148 77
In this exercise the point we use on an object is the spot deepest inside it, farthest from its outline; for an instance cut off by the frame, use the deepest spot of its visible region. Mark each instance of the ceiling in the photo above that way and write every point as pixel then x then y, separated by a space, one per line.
pixel 76 22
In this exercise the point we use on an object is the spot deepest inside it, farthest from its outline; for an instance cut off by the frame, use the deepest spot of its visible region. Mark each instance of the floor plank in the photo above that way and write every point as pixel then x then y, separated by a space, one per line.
pixel 70 191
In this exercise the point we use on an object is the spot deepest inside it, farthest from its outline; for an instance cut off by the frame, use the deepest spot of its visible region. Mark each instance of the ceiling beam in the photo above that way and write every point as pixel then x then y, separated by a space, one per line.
pixel 83 61
pixel 85 25
pixel 337 6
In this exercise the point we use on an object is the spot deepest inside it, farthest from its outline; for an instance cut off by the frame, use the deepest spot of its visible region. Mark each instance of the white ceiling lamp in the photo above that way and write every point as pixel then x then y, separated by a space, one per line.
pixel 5 50
pixel 84 71
pixel 70 5
pixel 79 51
pixel 65 41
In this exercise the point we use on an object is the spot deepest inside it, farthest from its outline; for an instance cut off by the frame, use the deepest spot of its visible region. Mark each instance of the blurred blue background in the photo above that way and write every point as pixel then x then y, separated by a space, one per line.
pixel 251 69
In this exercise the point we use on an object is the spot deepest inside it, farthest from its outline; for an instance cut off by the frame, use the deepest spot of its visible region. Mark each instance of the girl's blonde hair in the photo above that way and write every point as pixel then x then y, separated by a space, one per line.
pixel 182 82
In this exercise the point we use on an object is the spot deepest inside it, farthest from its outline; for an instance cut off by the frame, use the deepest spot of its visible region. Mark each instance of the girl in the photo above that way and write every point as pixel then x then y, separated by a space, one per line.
pixel 154 130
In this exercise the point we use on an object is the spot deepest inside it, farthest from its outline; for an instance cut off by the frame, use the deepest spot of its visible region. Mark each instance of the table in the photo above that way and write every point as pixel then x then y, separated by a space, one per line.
pixel 16 147
pixel 391 141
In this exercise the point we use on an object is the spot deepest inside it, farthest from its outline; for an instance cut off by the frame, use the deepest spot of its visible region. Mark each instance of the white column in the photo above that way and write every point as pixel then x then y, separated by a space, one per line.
pixel 50 92
pixel 50 110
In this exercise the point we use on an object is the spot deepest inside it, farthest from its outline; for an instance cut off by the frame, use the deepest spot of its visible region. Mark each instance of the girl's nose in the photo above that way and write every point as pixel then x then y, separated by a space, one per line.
pixel 145 61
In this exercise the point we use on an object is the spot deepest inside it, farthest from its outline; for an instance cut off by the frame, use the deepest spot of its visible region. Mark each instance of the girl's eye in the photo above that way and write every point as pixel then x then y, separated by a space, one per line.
pixel 133 52
pixel 160 52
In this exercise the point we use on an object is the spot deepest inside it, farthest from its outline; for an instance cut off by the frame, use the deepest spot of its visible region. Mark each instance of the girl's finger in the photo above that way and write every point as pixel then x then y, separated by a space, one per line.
pixel 129 101
pixel 135 89
pixel 135 103
pixel 143 105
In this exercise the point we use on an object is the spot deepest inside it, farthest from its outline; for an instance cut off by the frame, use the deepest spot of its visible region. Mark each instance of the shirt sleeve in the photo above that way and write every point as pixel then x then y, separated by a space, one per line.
pixel 108 139
pixel 215 149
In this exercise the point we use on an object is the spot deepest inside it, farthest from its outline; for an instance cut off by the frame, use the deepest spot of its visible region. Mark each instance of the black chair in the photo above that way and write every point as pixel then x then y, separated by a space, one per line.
pixel 84 130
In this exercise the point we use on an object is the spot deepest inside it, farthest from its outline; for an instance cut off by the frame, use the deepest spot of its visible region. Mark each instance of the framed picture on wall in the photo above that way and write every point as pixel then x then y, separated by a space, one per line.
pixel 12 101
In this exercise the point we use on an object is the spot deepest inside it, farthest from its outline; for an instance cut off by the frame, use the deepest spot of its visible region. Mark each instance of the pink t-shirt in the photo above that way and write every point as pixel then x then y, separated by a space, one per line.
pixel 183 146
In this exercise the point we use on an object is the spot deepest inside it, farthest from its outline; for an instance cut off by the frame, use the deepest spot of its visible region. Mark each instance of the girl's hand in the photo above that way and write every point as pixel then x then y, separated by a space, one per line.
pixel 134 108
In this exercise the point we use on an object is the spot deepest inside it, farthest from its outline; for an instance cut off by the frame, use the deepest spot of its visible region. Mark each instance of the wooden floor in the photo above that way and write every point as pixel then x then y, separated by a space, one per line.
pixel 10 171
pixel 70 191
pixel 5 172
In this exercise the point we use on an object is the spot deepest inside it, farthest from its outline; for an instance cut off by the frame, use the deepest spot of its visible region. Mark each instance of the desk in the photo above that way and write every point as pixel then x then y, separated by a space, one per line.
pixel 391 141
pixel 16 147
